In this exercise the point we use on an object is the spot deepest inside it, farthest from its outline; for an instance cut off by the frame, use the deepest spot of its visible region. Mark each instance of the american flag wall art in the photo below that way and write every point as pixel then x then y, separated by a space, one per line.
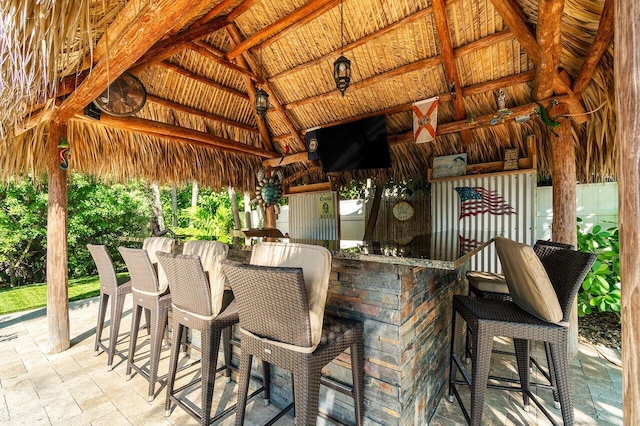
pixel 478 200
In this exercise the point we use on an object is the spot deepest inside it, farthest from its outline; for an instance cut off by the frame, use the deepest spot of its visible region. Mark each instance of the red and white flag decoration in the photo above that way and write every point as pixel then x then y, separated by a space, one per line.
pixel 425 120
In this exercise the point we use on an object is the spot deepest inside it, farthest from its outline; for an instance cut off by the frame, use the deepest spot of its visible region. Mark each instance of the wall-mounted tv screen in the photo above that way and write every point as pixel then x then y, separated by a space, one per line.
pixel 358 145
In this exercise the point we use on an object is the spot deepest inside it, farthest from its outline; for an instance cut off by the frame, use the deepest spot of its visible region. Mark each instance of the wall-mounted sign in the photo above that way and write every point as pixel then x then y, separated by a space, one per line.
pixel 511 159
pixel 450 165
pixel 325 206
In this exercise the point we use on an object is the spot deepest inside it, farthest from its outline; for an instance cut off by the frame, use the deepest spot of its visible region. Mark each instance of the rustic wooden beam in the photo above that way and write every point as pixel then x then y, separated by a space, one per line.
pixel 313 187
pixel 483 43
pixel 448 60
pixel 240 9
pixel 414 66
pixel 234 34
pixel 287 159
pixel 279 25
pixel 549 39
pixel 213 13
pixel 375 209
pixel 601 42
pixel 151 24
pixel 204 80
pixel 172 45
pixel 299 23
pixel 57 277
pixel 300 173
pixel 627 89
pixel 169 131
pixel 48 110
pixel 192 111
pixel 210 53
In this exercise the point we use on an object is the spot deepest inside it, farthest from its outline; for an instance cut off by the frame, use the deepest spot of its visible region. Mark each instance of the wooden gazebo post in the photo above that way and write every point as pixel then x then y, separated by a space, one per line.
pixel 627 84
pixel 57 278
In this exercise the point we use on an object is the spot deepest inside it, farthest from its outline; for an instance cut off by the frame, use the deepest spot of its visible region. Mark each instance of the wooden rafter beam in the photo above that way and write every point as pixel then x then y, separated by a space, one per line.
pixel 211 53
pixel 199 113
pixel 448 60
pixel 601 42
pixel 169 131
pixel 414 66
pixel 213 13
pixel 204 80
pixel 288 159
pixel 236 37
pixel 550 41
pixel 357 43
pixel 152 22
pixel 279 25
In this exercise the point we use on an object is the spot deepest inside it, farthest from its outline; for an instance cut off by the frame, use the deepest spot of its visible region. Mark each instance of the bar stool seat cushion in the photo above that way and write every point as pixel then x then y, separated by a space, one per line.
pixel 152 245
pixel 211 254
pixel 316 274
pixel 488 282
pixel 528 282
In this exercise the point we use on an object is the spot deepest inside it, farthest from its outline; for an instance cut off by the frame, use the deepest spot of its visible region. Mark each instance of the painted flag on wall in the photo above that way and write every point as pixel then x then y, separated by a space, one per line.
pixel 425 120
pixel 478 200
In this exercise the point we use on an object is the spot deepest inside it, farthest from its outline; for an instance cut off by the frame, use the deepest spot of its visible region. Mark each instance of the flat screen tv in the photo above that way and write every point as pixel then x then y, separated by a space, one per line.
pixel 358 145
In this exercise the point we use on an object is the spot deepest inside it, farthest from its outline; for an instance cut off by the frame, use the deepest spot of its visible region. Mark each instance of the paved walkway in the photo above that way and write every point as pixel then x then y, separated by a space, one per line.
pixel 75 388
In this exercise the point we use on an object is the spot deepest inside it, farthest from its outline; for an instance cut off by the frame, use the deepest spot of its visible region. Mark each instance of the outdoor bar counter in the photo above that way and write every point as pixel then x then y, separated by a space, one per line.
pixel 402 291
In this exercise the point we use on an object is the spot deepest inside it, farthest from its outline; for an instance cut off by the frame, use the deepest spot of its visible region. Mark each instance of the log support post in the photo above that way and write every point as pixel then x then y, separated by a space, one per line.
pixel 563 173
pixel 627 89
pixel 57 278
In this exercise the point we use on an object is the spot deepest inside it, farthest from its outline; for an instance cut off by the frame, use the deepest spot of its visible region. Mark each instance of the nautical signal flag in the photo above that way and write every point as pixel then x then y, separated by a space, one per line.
pixel 478 200
pixel 425 120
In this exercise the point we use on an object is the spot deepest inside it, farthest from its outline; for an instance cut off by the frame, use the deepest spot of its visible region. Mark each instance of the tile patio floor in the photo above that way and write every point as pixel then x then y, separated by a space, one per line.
pixel 75 388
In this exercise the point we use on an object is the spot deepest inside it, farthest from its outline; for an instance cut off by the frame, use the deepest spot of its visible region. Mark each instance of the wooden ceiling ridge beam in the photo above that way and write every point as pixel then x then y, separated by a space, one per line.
pixel 549 39
pixel 151 23
pixel 374 79
pixel 236 37
pixel 211 53
pixel 169 131
pixel 601 42
pixel 475 89
pixel 277 26
pixel 514 17
pixel 204 80
pixel 203 114
pixel 450 70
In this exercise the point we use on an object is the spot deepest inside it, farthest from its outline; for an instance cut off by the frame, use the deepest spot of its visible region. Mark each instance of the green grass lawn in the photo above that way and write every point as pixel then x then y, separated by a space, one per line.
pixel 34 296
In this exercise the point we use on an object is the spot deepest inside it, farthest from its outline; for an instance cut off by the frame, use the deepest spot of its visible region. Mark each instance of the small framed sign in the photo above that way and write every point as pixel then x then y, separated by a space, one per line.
pixel 450 165
pixel 511 159
pixel 325 206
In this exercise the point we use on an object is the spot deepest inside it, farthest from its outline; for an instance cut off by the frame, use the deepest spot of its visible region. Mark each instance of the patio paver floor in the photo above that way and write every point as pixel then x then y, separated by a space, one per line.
pixel 75 388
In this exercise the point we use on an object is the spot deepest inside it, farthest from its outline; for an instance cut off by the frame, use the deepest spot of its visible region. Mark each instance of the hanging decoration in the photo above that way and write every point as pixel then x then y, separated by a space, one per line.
pixel 63 153
pixel 268 189
pixel 342 65
pixel 261 100
pixel 425 120
pixel 503 111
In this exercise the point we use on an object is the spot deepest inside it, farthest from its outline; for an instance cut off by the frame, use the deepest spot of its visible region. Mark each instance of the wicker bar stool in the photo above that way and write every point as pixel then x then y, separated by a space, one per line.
pixel 543 290
pixel 109 288
pixel 148 294
pixel 281 297
pixel 199 304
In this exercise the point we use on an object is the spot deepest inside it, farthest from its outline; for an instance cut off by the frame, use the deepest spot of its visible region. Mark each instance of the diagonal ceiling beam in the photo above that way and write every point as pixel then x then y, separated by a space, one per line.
pixel 234 34
pixel 448 60
pixel 204 80
pixel 153 21
pixel 276 27
pixel 600 44
pixel 550 41
pixel 199 113
pixel 217 56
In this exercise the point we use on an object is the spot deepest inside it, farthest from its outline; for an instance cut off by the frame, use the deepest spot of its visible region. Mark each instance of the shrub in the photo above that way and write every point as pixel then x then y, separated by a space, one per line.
pixel 601 288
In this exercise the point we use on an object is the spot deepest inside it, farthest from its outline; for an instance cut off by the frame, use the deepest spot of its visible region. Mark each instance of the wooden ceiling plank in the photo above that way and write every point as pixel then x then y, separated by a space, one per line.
pixel 203 114
pixel 240 9
pixel 197 77
pixel 601 42
pixel 299 23
pixel 213 13
pixel 151 24
pixel 270 30
pixel 141 125
pixel 483 43
pixel 236 37
pixel 414 66
pixel 287 159
pixel 207 51
pixel 172 45
pixel 549 39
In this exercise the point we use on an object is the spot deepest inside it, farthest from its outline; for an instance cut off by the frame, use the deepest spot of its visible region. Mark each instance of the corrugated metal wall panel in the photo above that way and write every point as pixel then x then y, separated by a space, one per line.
pixel 304 217
pixel 518 189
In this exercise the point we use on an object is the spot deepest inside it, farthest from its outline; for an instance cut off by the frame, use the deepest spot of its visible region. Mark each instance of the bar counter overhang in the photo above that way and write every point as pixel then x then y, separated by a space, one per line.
pixel 402 291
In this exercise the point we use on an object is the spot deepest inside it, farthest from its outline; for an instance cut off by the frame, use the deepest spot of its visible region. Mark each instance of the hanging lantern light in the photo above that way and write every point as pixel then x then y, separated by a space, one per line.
pixel 342 65
pixel 261 98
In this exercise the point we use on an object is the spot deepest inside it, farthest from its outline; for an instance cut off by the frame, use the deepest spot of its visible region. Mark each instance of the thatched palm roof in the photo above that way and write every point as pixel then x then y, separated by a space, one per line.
pixel 201 69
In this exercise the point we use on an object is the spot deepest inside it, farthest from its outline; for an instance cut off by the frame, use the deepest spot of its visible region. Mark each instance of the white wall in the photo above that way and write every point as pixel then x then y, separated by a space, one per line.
pixel 597 204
